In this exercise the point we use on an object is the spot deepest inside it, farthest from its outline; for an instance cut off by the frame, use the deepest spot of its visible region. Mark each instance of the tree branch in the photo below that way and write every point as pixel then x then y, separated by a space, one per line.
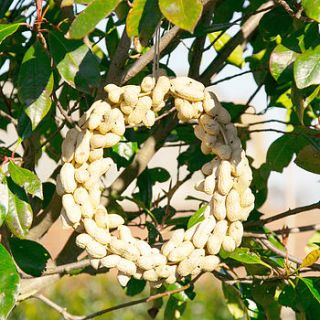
pixel 261 234
pixel 282 215
pixel 296 15
pixel 69 316
pixel 145 59
pixel 117 64
pixel 8 117
pixel 286 255
pixel 198 44
pixel 66 315
pixel 47 218
pixel 242 36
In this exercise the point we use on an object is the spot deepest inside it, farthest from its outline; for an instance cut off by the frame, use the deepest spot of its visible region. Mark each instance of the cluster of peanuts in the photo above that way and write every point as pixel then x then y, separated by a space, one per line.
pixel 108 242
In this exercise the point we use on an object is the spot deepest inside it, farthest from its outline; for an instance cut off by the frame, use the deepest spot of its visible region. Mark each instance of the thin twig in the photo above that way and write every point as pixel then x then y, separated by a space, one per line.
pixel 67 268
pixel 282 215
pixel 268 130
pixel 63 112
pixel 242 36
pixel 68 316
pixel 231 77
pixel 254 94
pixel 268 121
pixel 284 254
pixel 8 117
pixel 296 15
pixel 259 234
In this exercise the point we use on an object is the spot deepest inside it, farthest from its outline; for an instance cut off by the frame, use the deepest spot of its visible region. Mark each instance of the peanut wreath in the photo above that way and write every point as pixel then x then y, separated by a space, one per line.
pixel 227 178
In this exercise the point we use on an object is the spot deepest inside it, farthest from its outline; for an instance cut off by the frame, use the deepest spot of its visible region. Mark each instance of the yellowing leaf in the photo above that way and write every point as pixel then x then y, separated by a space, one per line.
pixel 310 259
pixel 183 13
pixel 219 41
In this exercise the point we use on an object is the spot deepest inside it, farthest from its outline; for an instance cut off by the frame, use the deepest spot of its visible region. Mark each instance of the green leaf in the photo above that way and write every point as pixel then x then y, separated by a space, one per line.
pixel 234 301
pixel 196 217
pixel 3 197
pixel 9 283
pixel 19 217
pixel 312 9
pixel 244 255
pixel 309 159
pixel 144 183
pixel 307 68
pixel 193 158
pixel 35 83
pixel 143 19
pixel 86 21
pixel 174 309
pixel 8 29
pixel 30 256
pixel 159 175
pixel 75 62
pixel 264 294
pixel 313 284
pixel 153 233
pixel 288 296
pixel 280 152
pixel 111 38
pixel 134 287
pixel 219 41
pixel 180 296
pixel 183 13
pixel 26 179
pixel 281 63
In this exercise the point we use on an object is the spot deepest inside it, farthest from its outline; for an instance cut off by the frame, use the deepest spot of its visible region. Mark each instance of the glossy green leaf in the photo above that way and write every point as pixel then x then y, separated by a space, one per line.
pixel 234 302
pixel 193 158
pixel 153 233
pixel 75 62
pixel 281 63
pixel 144 183
pixel 19 217
pixel 86 21
pixel 309 159
pixel 307 68
pixel 288 296
pixel 313 284
pixel 174 309
pixel 35 83
pixel 30 256
pixel 264 294
pixel 219 41
pixel 244 255
pixel 111 38
pixel 9 283
pixel 143 19
pixel 26 179
pixel 183 13
pixel 135 287
pixel 312 9
pixel 280 152
pixel 7 30
pixel 159 175
pixel 3 197
pixel 196 217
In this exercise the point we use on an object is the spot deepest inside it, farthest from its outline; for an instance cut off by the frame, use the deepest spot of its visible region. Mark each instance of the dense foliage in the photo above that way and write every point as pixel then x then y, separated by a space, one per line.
pixel 56 57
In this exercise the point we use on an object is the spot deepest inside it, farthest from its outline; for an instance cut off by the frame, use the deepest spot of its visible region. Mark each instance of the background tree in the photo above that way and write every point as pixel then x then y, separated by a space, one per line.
pixel 55 62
